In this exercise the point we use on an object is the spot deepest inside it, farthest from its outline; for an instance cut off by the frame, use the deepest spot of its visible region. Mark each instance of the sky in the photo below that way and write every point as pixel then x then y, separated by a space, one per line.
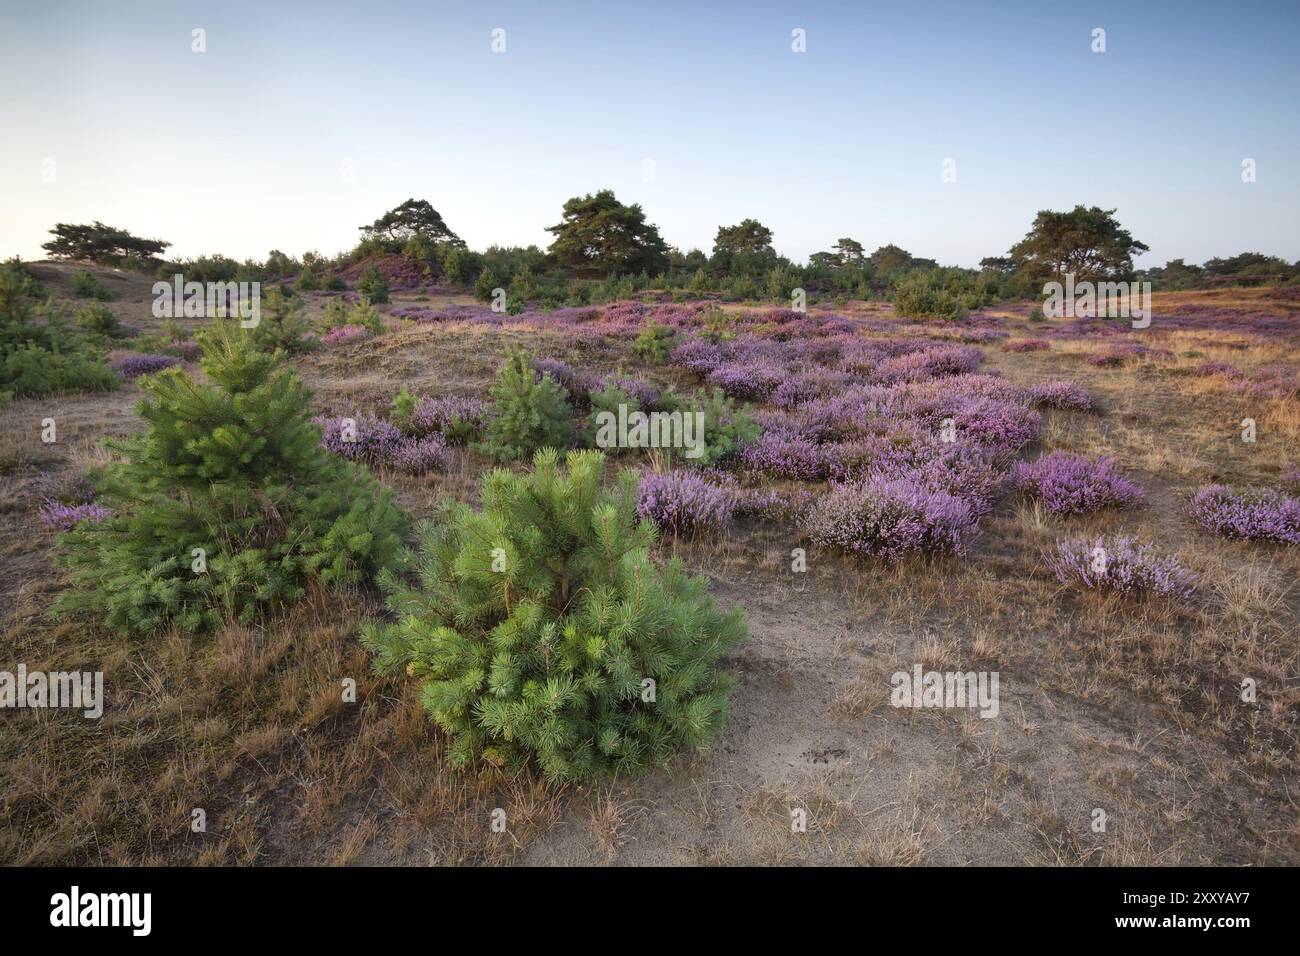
pixel 304 120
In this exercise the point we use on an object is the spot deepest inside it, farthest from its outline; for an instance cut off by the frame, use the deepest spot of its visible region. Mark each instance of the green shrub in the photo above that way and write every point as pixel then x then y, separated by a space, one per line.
pixel 29 370
pixel 544 631
pixel 922 296
pixel 282 326
pixel 95 318
pixel 227 506
pixel 527 414
pixel 402 408
pixel 86 286
pixel 15 270
pixel 654 342
pixel 726 426
pixel 373 286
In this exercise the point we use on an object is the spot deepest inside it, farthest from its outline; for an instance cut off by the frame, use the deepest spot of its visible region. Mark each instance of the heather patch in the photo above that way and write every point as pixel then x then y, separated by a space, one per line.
pixel 1248 514
pixel 889 519
pixel 1068 484
pixel 1120 565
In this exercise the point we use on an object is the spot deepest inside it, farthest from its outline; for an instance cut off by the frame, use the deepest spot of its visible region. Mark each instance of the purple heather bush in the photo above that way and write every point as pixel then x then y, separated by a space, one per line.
pixel 457 417
pixel 889 519
pixel 1120 565
pixel 1248 514
pixel 1026 345
pixel 142 363
pixel 1069 484
pixel 341 335
pixel 64 517
pixel 697 355
pixel 1122 353
pixel 748 380
pixel 685 500
pixel 1061 394
pixel 787 456
pixel 564 374
pixel 643 393
pixel 415 456
pixel 376 441
pixel 929 363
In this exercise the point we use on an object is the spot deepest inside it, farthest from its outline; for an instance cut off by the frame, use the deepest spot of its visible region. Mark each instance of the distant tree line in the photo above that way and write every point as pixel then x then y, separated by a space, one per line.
pixel 603 249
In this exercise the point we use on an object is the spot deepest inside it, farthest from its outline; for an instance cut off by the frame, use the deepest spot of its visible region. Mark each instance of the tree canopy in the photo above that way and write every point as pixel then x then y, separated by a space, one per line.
pixel 1087 241
pixel 601 236
pixel 413 219
pixel 100 243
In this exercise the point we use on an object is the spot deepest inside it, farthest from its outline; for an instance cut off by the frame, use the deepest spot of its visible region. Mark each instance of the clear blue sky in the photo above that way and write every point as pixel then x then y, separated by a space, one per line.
pixel 243 148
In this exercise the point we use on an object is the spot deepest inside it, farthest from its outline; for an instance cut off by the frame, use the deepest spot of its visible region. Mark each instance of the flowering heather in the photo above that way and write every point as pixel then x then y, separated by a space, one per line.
pixel 787 456
pixel 415 456
pixel 684 501
pixel 375 440
pixel 343 334
pixel 642 392
pixel 1270 381
pixel 1290 473
pixel 1248 514
pixel 929 363
pixel 457 417
pixel 1002 428
pixel 805 386
pixel 1061 394
pixel 1069 484
pixel 60 517
pixel 564 374
pixel 747 381
pixel 141 363
pixel 697 355
pixel 1120 565
pixel 1026 345
pixel 1224 369
pixel 888 519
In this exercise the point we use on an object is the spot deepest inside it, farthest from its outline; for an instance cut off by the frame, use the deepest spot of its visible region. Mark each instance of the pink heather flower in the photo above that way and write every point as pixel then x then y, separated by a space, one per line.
pixel 1061 394
pixel 60 517
pixel 889 519
pixel 1069 484
pixel 684 501
pixel 142 363
pixel 1120 565
pixel 1026 345
pixel 415 456
pixel 1248 514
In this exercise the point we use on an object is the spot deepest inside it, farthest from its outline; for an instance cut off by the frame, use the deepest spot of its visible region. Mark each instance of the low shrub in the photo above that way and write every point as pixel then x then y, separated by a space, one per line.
pixel 527 413
pixel 1120 565
pixel 681 501
pixel 373 286
pixel 1248 514
pixel 1060 394
pixel 95 318
pixel 542 631
pixel 132 366
pixel 226 507
pixel 86 286
pixel 64 517
pixel 890 518
pixel 343 334
pixel 1069 484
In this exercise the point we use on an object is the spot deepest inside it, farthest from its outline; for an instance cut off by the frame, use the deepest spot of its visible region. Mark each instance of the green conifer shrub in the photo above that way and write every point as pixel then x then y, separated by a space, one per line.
pixel 654 342
pixel 527 413
pixel 282 326
pixel 86 286
pixel 227 506
pixel 373 286
pixel 540 628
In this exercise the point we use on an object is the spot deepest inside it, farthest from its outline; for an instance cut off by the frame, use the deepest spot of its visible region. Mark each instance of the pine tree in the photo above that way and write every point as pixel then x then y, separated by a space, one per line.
pixel 541 628
pixel 528 413
pixel 282 325
pixel 227 505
